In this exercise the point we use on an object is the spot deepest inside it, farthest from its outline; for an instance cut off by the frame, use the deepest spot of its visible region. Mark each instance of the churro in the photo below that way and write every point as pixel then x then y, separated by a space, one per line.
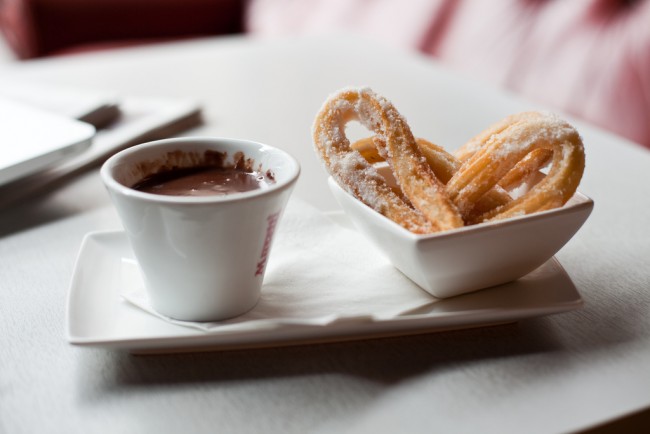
pixel 440 191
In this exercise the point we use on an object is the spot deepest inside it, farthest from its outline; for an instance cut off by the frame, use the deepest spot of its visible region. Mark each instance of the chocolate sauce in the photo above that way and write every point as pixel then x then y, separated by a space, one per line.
pixel 203 181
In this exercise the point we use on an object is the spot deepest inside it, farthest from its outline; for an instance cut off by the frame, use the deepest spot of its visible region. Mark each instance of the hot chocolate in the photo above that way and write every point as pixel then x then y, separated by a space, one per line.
pixel 202 258
pixel 202 181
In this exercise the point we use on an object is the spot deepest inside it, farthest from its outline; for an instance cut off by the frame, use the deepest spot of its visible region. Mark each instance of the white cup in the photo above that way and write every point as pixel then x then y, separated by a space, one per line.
pixel 202 258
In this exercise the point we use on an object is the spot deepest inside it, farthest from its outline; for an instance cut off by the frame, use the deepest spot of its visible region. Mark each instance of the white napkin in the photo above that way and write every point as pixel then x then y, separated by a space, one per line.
pixel 319 272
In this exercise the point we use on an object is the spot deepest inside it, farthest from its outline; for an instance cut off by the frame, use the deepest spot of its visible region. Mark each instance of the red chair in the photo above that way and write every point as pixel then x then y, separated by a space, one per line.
pixel 35 28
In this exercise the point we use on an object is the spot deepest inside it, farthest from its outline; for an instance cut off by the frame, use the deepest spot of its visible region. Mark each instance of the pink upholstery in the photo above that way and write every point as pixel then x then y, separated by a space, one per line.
pixel 589 58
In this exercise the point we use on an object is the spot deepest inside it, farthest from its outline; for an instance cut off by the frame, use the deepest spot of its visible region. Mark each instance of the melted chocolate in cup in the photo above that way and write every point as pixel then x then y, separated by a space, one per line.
pixel 202 181
pixel 206 175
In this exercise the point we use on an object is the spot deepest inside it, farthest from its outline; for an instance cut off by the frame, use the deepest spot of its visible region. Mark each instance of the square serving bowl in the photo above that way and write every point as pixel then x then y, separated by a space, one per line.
pixel 470 258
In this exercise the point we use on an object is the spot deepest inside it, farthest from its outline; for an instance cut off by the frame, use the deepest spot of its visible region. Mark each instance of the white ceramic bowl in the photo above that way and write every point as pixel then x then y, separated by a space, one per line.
pixel 470 258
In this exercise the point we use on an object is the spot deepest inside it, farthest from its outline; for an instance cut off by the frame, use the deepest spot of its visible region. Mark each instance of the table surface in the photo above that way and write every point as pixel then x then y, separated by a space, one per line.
pixel 551 374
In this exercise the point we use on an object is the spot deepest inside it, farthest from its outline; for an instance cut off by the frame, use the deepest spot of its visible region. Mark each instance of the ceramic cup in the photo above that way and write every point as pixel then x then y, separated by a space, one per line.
pixel 202 258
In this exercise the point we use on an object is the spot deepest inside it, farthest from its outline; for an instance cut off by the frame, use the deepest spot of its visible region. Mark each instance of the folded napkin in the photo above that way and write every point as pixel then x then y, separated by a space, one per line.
pixel 319 272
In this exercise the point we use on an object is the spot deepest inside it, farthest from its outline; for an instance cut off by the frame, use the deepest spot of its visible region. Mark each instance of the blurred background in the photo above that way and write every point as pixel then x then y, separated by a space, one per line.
pixel 587 58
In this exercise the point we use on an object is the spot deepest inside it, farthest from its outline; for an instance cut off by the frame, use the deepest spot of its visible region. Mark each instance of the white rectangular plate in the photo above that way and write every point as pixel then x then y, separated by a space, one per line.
pixel 98 316
pixel 33 139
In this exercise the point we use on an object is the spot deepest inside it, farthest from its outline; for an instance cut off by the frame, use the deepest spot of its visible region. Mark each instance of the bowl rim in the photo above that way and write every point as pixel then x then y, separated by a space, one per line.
pixel 583 204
